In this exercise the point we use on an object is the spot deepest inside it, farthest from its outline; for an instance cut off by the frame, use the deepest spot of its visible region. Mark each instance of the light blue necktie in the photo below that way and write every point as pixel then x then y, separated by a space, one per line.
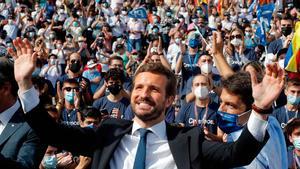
pixel 140 157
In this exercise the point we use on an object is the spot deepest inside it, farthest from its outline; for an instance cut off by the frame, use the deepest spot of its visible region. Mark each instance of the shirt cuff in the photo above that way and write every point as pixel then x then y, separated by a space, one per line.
pixel 29 99
pixel 257 126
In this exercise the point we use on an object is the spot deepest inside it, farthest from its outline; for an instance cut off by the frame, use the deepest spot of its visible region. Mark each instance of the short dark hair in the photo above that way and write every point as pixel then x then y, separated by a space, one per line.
pixel 90 112
pixel 114 74
pixel 158 68
pixel 291 126
pixel 292 82
pixel 7 74
pixel 71 81
pixel 240 85
pixel 114 58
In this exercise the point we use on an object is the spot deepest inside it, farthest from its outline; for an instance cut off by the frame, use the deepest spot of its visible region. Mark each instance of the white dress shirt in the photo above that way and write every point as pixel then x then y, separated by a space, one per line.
pixel 158 154
pixel 7 115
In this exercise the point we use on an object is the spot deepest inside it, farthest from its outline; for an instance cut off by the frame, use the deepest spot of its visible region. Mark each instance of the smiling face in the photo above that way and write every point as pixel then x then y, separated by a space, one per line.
pixel 149 99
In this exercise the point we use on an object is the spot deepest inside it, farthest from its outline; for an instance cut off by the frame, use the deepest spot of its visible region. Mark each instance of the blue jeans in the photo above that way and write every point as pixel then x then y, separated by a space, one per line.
pixel 134 44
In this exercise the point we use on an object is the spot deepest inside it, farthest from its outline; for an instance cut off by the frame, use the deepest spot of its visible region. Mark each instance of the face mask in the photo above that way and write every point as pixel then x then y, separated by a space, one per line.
pixel 154 13
pixel 206 68
pixel 10 21
pixel 236 42
pixel 281 63
pixel 52 61
pixel 176 24
pixel 228 123
pixel 51 36
pixel 199 12
pixel 155 30
pixel 182 9
pixel 194 43
pixel 69 96
pixel 169 14
pixel 50 161
pixel 194 20
pixel 253 26
pixel 114 89
pixel 75 24
pixel 69 39
pixel 293 100
pixel 181 20
pixel 177 40
pixel 75 67
pixel 286 30
pixel 61 11
pixel 58 46
pixel 296 143
pixel 201 92
pixel 31 34
pixel 155 20
pixel 10 45
pixel 124 13
pixel 247 34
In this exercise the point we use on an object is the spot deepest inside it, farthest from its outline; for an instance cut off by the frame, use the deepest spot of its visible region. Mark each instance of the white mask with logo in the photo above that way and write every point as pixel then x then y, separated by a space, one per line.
pixel 206 68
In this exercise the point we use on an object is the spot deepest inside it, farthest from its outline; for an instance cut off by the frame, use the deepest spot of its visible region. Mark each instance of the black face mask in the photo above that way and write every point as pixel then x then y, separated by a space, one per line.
pixel 114 89
pixel 75 67
pixel 286 30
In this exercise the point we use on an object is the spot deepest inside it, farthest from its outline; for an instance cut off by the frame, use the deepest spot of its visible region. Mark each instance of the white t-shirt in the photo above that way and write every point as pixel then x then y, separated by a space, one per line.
pixel 135 26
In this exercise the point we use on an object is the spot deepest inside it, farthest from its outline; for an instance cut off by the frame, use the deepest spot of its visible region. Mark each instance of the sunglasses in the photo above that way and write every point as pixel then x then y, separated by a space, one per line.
pixel 236 36
pixel 68 89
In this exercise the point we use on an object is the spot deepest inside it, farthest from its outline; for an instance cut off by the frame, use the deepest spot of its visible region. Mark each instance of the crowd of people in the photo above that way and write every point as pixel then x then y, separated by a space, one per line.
pixel 90 57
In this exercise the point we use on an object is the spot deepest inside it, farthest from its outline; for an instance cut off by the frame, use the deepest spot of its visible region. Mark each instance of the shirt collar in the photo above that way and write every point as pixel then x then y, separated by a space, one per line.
pixel 8 113
pixel 158 129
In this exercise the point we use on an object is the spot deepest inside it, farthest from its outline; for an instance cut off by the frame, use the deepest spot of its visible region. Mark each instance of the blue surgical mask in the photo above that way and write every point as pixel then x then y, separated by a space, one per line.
pixel 296 143
pixel 194 43
pixel 293 100
pixel 168 13
pixel 69 96
pixel 155 30
pixel 50 161
pixel 228 123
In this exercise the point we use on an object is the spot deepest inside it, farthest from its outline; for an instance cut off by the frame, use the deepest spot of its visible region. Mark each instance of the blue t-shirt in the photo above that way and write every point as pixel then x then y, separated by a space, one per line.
pixel 91 75
pixel 189 70
pixel 187 116
pixel 69 117
pixel 169 118
pixel 283 115
pixel 104 103
pixel 275 46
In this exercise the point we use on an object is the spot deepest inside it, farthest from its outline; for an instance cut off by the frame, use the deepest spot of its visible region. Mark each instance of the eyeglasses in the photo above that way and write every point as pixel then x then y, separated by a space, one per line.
pixel 68 89
pixel 236 36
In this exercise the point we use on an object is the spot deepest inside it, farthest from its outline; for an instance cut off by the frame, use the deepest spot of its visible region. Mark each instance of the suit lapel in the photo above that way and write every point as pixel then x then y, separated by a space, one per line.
pixel 179 147
pixel 110 149
pixel 15 123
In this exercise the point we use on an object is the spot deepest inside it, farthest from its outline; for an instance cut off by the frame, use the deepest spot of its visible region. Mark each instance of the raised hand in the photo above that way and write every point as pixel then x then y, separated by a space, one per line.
pixel 24 62
pixel 266 92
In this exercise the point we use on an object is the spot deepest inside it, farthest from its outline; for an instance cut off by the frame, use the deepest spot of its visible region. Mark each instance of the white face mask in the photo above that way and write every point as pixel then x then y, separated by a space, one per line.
pixel 52 61
pixel 58 46
pixel 177 40
pixel 236 42
pixel 206 68
pixel 281 63
pixel 201 92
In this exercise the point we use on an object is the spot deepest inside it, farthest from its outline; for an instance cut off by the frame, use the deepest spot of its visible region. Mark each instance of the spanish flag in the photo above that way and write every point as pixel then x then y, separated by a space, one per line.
pixel 292 58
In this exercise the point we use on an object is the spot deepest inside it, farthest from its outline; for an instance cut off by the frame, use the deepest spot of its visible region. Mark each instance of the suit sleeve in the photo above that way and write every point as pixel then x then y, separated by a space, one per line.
pixel 29 155
pixel 229 155
pixel 74 139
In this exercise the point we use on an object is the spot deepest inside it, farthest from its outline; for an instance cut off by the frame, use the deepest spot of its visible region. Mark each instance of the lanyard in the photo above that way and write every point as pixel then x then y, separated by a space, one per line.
pixel 194 61
pixel 197 115
pixel 287 114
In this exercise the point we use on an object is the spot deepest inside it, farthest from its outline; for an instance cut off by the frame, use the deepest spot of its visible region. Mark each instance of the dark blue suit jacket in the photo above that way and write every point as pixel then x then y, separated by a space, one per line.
pixel 20 147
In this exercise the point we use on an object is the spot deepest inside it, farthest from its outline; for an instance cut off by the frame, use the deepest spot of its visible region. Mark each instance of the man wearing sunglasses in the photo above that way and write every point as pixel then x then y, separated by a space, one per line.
pixel 74 71
pixel 69 98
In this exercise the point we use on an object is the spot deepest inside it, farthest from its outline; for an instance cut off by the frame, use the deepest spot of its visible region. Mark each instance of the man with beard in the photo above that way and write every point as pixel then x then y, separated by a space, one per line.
pixel 74 71
pixel 124 144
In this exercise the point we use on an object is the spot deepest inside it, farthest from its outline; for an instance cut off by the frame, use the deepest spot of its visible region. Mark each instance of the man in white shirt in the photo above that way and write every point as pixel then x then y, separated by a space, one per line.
pixel 135 28
pixel 11 28
pixel 113 144
pixel 19 145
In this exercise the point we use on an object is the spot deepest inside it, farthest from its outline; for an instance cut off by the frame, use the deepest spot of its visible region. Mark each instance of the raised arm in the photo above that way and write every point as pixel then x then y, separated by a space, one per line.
pixel 47 129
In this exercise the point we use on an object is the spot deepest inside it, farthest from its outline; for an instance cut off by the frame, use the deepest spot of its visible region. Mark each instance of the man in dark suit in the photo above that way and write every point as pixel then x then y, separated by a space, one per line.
pixel 148 141
pixel 19 145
